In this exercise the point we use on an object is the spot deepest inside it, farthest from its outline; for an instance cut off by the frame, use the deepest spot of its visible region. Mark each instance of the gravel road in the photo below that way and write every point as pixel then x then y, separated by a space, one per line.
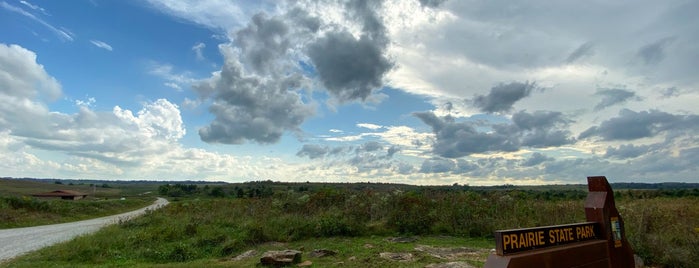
pixel 17 241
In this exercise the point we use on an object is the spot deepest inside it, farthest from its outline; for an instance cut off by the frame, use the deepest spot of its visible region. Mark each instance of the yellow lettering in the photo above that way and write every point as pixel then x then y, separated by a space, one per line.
pixel 530 239
pixel 591 230
pixel 540 236
pixel 552 236
pixel 561 235
pixel 569 232
pixel 522 240
pixel 513 238
pixel 505 241
pixel 579 233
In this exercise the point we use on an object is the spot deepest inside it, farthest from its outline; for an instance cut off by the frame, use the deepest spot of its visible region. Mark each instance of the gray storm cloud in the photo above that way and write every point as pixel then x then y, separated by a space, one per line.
pixel 539 129
pixel 502 97
pixel 631 125
pixel 249 107
pixel 351 68
pixel 257 95
pixel 626 151
pixel 614 96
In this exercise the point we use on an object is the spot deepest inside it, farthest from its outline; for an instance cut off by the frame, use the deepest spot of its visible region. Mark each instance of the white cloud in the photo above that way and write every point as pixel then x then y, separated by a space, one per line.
pixel 198 50
pixel 22 77
pixel 216 14
pixel 101 44
pixel 173 79
pixel 369 126
pixel 62 33
pixel 34 7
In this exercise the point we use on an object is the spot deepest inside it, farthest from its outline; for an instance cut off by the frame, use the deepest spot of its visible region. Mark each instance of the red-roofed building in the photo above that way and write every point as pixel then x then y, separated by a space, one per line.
pixel 63 194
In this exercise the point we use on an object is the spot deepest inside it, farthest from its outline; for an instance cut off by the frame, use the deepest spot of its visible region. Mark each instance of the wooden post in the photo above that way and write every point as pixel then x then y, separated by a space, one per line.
pixel 600 208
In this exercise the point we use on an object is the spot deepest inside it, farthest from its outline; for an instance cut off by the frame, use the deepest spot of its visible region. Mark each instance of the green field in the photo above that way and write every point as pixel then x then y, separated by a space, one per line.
pixel 208 225
pixel 19 209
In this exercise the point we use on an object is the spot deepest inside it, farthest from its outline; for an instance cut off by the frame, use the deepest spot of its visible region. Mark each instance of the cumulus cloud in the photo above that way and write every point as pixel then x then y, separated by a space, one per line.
pixel 349 68
pixel 614 96
pixel 249 108
pixel 22 77
pixel 114 138
pixel 263 43
pixel 502 97
pixel 631 125
pixel 352 68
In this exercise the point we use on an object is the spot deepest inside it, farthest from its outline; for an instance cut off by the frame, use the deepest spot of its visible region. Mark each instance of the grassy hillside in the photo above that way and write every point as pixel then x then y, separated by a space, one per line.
pixel 19 209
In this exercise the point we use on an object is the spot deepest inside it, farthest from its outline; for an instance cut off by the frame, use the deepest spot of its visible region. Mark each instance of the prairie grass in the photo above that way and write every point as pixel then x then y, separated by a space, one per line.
pixel 201 231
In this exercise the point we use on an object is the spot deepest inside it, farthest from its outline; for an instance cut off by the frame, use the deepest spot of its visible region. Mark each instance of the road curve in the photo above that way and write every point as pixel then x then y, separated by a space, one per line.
pixel 17 241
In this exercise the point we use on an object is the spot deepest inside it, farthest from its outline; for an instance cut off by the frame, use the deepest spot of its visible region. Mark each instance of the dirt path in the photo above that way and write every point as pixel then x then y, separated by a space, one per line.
pixel 17 241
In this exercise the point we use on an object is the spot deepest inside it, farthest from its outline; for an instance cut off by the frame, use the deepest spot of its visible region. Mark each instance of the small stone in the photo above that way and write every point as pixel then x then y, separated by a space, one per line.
pixel 279 258
pixel 245 255
pixel 317 253
pixel 305 264
pixel 353 258
pixel 402 257
pixel 368 246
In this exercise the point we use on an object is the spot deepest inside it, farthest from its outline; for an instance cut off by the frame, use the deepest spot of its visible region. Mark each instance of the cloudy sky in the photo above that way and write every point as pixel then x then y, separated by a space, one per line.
pixel 399 91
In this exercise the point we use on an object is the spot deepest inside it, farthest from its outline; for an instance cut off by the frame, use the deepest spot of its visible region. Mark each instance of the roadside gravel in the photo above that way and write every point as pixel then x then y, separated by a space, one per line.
pixel 17 241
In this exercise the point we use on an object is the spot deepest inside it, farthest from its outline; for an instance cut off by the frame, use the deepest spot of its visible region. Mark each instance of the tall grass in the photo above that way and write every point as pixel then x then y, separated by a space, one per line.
pixel 661 229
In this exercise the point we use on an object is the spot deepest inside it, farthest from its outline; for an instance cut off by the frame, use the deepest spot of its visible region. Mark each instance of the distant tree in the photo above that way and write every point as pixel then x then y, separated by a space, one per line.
pixel 217 192
pixel 58 182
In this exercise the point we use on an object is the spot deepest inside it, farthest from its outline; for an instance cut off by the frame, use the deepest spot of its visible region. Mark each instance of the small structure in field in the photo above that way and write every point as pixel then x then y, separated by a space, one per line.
pixel 63 194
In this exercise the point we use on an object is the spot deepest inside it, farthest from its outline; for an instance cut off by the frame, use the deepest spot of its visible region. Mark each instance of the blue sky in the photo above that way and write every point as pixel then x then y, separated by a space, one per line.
pixel 419 92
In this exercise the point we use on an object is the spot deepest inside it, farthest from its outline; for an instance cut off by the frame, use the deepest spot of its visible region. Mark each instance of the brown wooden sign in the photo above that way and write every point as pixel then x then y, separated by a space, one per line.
pixel 518 240
pixel 600 242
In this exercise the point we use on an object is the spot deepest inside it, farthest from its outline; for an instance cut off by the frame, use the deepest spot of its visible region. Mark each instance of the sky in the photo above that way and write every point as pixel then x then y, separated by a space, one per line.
pixel 428 92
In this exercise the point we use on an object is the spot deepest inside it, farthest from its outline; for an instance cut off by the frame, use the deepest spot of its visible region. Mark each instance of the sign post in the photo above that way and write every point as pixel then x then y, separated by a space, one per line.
pixel 599 242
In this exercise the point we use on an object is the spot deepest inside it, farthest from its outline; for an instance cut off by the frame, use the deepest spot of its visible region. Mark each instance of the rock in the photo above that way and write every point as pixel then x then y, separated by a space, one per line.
pixel 402 257
pixel 317 253
pixel 353 258
pixel 368 246
pixel 401 239
pixel 245 255
pixel 305 264
pixel 280 258
pixel 454 264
